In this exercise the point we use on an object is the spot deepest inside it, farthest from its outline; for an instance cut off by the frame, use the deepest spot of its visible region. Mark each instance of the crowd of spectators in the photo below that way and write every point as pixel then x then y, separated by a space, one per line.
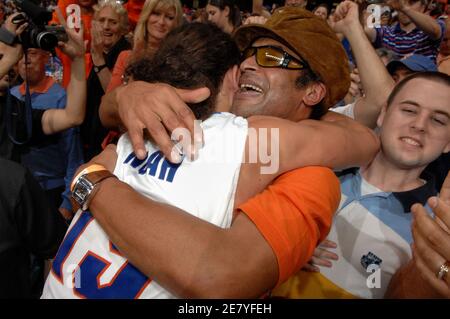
pixel 62 107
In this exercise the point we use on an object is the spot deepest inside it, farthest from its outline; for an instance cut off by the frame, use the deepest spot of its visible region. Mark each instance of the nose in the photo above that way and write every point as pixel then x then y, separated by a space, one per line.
pixel 420 122
pixel 249 64
pixel 161 19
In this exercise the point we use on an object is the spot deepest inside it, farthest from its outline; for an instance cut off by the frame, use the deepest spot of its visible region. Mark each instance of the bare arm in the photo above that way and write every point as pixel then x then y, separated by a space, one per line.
pixel 336 142
pixel 193 258
pixel 188 256
pixel 376 81
pixel 371 33
pixel 105 74
pixel 422 20
pixel 97 55
pixel 108 111
pixel 55 120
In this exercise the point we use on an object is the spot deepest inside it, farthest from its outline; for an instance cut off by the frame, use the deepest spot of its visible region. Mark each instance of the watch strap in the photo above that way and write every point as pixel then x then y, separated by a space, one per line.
pixel 86 170
pixel 90 183
pixel 98 68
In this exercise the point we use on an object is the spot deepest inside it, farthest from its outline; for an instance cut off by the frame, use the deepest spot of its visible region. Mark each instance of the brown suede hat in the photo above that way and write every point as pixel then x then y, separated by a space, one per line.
pixel 312 39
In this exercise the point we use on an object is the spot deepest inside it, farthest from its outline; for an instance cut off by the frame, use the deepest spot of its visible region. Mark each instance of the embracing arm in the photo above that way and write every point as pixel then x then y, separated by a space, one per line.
pixel 193 258
pixel 108 110
pixel 336 141
pixel 188 256
pixel 275 146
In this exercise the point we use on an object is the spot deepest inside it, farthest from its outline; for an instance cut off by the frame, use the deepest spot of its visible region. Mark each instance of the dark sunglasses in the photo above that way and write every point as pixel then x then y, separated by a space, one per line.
pixel 268 56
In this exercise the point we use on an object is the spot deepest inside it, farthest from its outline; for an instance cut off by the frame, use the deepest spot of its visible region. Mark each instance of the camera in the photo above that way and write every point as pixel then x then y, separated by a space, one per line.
pixel 38 34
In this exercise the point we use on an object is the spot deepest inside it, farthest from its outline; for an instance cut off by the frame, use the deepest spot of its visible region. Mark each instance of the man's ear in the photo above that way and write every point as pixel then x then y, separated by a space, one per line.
pixel 380 118
pixel 230 85
pixel 44 56
pixel 226 11
pixel 315 93
pixel 231 79
pixel 447 148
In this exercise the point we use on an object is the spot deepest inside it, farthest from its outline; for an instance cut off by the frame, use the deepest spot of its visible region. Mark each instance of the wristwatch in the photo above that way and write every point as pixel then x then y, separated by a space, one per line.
pixel 86 184
pixel 98 68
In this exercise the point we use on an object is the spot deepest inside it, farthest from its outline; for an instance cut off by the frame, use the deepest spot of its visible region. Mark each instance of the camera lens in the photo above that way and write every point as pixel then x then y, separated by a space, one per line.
pixel 46 41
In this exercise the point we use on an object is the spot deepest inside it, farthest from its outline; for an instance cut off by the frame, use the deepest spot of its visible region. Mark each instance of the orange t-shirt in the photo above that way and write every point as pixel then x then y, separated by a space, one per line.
pixel 119 69
pixel 65 60
pixel 294 214
pixel 134 8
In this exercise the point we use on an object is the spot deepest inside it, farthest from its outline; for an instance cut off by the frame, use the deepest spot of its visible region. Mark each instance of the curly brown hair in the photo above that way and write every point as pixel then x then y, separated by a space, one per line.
pixel 191 56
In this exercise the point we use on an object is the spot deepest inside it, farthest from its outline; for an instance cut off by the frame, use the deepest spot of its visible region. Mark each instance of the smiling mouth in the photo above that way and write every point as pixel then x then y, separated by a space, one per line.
pixel 250 88
pixel 411 141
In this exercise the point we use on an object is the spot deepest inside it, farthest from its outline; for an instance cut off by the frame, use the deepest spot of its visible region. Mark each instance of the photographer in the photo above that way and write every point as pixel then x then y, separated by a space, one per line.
pixel 52 120
pixel 45 121
pixel 29 223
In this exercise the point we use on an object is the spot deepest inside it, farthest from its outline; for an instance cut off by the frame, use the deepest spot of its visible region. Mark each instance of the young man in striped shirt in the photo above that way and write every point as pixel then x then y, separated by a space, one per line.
pixel 415 32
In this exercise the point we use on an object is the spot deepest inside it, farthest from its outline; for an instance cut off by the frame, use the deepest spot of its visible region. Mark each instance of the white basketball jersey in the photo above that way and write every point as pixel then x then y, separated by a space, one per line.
pixel 88 265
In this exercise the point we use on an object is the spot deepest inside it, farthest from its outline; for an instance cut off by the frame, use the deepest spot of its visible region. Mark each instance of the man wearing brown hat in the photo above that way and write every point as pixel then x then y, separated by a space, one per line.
pixel 274 232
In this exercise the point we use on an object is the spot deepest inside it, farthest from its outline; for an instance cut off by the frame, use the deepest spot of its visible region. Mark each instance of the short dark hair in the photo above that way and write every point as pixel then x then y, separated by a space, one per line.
pixel 193 55
pixel 235 14
pixel 428 75
pixel 323 5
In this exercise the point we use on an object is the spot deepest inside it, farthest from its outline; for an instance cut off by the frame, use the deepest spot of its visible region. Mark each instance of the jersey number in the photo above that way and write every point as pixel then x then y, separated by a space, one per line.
pixel 127 283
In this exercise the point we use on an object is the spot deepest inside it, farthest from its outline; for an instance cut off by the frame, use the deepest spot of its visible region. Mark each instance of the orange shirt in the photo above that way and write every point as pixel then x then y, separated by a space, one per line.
pixel 119 69
pixel 42 86
pixel 134 8
pixel 294 214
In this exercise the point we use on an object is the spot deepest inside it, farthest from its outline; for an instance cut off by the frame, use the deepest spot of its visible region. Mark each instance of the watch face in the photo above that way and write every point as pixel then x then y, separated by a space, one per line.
pixel 82 190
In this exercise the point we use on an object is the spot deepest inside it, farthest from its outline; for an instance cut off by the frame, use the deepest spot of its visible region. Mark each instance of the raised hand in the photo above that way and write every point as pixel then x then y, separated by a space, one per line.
pixel 431 247
pixel 75 46
pixel 15 27
pixel 345 16
pixel 97 46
